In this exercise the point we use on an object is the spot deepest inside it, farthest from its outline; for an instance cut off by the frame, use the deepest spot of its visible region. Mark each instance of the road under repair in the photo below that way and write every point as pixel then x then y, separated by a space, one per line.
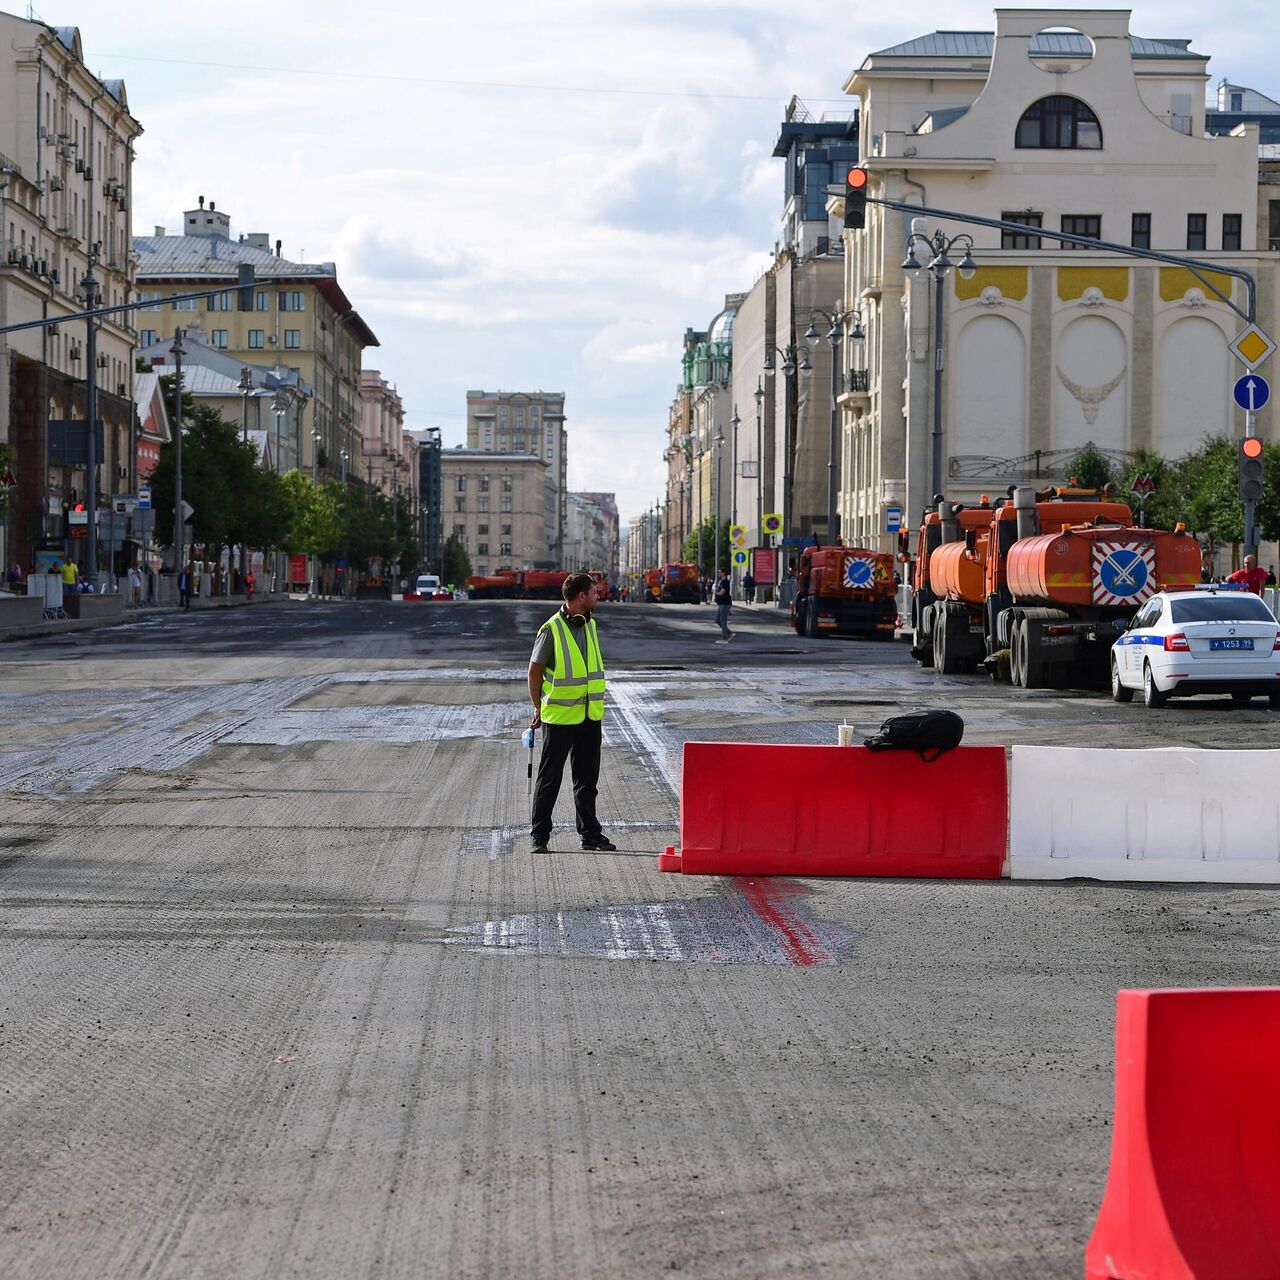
pixel 283 990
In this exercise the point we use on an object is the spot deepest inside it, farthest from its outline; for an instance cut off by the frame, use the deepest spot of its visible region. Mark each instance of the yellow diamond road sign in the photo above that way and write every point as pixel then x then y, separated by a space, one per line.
pixel 1252 347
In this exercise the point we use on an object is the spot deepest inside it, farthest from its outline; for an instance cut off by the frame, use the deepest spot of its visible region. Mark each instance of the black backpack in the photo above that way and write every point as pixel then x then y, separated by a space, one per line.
pixel 919 731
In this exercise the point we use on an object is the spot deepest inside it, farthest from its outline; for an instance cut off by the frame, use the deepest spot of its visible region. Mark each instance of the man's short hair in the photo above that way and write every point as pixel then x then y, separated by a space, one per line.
pixel 575 584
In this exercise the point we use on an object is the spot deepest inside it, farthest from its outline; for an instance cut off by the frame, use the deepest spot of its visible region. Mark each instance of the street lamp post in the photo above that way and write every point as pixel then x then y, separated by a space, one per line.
pixel 717 445
pixel 758 396
pixel 939 246
pixel 315 453
pixel 835 337
pixel 89 286
pixel 789 367
pixel 179 525
pixel 245 386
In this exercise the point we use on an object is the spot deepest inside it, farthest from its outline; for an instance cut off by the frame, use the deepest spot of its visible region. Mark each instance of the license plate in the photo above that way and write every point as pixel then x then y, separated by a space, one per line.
pixel 1230 644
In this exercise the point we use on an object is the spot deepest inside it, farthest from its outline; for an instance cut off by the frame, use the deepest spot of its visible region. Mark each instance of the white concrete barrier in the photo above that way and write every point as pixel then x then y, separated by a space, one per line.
pixel 1176 813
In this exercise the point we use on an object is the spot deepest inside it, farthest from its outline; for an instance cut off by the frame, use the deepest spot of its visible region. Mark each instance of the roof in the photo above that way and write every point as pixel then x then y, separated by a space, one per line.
pixel 981 44
pixel 199 259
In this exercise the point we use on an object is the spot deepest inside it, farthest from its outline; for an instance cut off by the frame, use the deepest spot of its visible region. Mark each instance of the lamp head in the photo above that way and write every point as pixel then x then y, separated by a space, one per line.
pixel 910 262
pixel 811 332
pixel 967 268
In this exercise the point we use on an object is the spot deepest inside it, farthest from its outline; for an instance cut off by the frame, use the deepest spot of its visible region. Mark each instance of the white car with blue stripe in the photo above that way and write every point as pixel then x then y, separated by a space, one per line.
pixel 1211 639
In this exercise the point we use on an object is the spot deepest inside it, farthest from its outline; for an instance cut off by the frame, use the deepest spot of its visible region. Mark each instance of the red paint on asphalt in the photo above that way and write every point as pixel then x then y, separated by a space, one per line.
pixel 768 899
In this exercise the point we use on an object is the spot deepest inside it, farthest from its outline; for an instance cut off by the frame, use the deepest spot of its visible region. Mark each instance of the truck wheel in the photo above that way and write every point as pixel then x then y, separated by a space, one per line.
pixel 924 656
pixel 1151 696
pixel 811 620
pixel 1017 654
pixel 1119 692
pixel 1241 699
pixel 797 621
pixel 943 655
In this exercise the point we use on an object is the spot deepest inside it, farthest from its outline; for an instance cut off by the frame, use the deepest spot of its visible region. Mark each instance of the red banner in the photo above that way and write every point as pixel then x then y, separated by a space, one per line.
pixel 764 564
pixel 298 569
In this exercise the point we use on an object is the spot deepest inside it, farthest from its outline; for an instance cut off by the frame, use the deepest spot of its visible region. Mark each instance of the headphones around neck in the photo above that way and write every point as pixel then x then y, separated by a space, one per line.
pixel 576 620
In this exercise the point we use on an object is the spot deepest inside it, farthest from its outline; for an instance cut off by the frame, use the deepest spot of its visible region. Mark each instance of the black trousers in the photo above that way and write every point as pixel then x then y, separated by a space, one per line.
pixel 580 745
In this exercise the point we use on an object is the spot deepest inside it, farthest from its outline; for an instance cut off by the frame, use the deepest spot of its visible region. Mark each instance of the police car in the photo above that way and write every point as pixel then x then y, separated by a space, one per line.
pixel 1212 639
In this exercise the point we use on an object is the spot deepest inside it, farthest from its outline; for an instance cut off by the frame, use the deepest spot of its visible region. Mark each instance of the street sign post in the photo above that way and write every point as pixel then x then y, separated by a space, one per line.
pixel 144 497
pixel 1251 347
pixel 1251 392
pixel 892 518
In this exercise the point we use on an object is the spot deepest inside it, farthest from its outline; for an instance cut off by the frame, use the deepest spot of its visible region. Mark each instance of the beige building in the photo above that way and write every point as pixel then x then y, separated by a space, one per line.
pixel 528 422
pixel 1091 131
pixel 66 162
pixel 495 505
pixel 591 540
pixel 301 317
pixel 389 453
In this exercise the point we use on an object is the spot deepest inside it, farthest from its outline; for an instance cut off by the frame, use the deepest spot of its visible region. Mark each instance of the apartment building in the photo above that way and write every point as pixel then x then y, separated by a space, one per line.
pixel 66 165
pixel 528 422
pixel 430 496
pixel 495 505
pixel 389 453
pixel 301 317
pixel 591 540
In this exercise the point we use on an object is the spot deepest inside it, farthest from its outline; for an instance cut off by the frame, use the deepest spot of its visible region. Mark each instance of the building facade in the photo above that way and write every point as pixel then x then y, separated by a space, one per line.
pixel 301 318
pixel 66 183
pixel 592 534
pixel 495 505
pixel 430 497
pixel 1090 131
pixel 532 423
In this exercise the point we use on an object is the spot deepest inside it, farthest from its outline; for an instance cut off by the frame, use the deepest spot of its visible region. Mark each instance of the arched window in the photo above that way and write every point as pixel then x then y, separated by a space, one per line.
pixel 1059 123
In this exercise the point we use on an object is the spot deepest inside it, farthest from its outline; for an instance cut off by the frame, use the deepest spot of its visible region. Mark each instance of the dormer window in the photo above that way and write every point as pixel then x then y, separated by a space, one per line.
pixel 1059 123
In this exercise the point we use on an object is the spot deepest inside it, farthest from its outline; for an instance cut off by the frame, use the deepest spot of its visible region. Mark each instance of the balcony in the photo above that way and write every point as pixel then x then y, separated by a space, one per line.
pixel 856 382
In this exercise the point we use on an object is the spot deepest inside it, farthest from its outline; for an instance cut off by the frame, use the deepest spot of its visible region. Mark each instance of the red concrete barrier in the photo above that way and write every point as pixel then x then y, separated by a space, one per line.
pixel 1194 1185
pixel 758 810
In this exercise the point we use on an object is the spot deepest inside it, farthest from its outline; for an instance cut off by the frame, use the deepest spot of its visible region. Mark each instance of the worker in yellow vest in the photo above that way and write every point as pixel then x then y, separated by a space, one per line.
pixel 566 687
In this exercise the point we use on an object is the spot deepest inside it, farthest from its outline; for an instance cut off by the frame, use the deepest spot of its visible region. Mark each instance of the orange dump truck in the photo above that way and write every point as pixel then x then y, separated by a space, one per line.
pixel 652 585
pixel 1044 590
pixel 680 584
pixel 845 591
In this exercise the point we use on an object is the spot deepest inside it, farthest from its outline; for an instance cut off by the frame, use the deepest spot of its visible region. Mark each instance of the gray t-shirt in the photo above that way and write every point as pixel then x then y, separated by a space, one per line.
pixel 544 647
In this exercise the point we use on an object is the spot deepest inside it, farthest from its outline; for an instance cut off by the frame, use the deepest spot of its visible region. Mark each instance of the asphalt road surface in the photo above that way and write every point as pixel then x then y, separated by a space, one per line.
pixel 283 991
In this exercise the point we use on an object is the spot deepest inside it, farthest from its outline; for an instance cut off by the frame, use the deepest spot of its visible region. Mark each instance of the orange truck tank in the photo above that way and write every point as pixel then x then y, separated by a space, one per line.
pixel 957 572
pixel 1100 567
pixel 652 585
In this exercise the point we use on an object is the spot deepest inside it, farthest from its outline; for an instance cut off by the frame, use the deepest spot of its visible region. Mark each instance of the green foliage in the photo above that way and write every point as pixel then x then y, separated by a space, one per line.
pixel 707 565
pixel 455 564
pixel 1091 467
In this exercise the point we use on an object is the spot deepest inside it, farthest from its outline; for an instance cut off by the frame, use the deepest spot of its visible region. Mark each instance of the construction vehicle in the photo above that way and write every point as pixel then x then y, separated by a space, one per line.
pixel 540 584
pixel 504 585
pixel 652 586
pixel 1040 594
pixel 845 591
pixel 681 584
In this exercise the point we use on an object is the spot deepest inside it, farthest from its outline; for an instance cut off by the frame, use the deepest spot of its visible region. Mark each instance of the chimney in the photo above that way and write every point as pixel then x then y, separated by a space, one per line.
pixel 159 231
pixel 202 202
pixel 279 246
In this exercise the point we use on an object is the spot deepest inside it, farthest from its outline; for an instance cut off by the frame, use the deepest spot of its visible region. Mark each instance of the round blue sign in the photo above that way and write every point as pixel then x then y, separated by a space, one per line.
pixel 1123 572
pixel 858 573
pixel 1252 391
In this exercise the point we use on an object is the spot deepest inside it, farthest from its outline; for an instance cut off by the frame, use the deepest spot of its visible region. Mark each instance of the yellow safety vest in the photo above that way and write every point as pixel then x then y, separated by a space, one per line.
pixel 572 688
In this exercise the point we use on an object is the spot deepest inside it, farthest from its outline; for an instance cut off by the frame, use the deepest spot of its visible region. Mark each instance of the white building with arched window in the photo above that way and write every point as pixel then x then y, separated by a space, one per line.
pixel 1060 120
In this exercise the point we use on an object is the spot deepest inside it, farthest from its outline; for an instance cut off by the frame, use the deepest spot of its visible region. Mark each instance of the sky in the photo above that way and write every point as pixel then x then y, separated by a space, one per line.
pixel 541 195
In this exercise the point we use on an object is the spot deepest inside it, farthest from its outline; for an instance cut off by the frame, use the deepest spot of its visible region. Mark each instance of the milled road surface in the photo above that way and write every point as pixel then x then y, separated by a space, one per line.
pixel 284 993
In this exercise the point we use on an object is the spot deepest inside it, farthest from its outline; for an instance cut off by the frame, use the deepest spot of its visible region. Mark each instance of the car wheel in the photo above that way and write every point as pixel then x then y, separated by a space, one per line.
pixel 1241 699
pixel 1273 701
pixel 1119 692
pixel 1151 695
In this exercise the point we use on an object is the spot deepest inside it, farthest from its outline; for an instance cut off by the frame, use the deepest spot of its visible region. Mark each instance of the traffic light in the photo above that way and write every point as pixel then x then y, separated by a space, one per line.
pixel 855 198
pixel 244 285
pixel 1251 469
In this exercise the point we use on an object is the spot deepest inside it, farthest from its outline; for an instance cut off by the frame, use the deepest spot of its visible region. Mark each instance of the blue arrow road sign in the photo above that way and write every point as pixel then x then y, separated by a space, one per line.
pixel 1251 392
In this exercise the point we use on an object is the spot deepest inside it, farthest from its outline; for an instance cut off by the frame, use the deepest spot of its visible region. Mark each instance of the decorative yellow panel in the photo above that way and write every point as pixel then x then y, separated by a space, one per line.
pixel 1111 282
pixel 1011 281
pixel 1175 281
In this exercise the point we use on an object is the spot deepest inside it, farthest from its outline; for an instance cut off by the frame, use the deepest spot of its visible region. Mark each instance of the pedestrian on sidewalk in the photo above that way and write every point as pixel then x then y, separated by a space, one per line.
pixel 566 687
pixel 135 584
pixel 749 587
pixel 184 587
pixel 723 598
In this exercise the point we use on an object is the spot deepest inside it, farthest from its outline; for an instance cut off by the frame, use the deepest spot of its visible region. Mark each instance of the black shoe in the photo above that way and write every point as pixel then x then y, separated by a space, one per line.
pixel 600 844
pixel 538 846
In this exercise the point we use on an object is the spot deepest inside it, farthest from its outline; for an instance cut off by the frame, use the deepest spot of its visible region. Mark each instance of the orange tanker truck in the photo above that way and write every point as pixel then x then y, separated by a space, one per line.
pixel 652 586
pixel 681 584
pixel 1051 582
pixel 845 591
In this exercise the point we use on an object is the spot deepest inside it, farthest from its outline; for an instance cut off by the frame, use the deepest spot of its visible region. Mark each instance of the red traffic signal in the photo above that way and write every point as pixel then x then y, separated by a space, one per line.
pixel 1251 484
pixel 1251 447
pixel 855 198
